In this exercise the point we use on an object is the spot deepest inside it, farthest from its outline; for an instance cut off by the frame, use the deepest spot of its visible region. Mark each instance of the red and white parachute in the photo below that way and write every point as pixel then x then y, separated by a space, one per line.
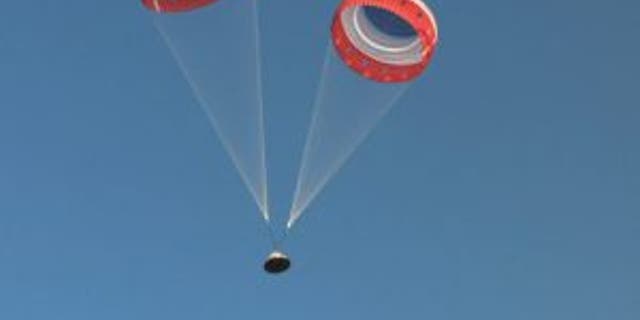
pixel 173 6
pixel 385 40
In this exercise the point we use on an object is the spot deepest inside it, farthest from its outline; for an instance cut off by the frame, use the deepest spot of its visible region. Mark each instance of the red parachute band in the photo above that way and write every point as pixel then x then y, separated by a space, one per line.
pixel 376 67
pixel 173 6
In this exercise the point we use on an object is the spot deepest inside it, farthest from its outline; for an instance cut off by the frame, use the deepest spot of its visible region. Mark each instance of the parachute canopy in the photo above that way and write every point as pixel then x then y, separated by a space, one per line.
pixel 385 40
pixel 174 6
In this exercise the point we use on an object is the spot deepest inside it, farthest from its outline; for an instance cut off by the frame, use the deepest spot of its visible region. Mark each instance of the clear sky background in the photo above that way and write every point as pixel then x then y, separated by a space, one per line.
pixel 504 185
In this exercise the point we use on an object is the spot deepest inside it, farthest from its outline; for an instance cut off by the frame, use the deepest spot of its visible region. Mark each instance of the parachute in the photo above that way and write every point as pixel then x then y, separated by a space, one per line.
pixel 174 6
pixel 194 31
pixel 389 43
pixel 386 41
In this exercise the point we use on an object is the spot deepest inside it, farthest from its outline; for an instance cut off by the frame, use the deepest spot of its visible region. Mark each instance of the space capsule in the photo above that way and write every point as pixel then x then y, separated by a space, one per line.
pixel 277 262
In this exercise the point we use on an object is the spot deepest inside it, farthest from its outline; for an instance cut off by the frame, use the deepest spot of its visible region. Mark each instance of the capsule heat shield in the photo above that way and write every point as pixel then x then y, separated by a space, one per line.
pixel 277 262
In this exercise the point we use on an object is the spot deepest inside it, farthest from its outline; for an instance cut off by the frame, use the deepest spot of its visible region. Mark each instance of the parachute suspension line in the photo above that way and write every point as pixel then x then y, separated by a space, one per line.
pixel 261 119
pixel 259 197
pixel 294 212
pixel 317 169
pixel 275 242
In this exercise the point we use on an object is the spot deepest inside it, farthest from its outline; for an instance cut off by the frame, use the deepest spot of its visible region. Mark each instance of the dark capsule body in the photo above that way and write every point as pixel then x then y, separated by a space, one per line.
pixel 277 262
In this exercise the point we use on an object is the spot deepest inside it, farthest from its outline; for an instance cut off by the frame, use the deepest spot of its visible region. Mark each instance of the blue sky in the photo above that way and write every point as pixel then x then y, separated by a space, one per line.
pixel 504 185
